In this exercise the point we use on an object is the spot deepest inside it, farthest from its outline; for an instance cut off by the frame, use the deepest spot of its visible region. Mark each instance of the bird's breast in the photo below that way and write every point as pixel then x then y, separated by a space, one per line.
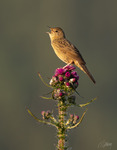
pixel 61 52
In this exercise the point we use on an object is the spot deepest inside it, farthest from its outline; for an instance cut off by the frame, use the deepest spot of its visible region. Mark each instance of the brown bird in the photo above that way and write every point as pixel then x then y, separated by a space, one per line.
pixel 66 51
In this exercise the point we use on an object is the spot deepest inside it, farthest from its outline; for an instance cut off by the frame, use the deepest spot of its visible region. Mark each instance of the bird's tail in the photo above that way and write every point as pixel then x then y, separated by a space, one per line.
pixel 85 70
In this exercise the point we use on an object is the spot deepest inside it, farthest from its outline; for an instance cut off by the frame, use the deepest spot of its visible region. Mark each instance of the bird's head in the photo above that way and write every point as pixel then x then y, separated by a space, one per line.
pixel 56 33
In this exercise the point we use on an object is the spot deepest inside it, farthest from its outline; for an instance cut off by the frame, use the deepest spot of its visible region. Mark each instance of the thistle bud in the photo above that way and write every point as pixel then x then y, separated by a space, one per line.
pixel 75 119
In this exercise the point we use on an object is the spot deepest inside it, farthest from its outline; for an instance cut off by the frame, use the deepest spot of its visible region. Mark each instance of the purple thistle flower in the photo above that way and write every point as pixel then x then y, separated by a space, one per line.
pixel 72 79
pixel 61 78
pixel 60 94
pixel 76 117
pixel 67 74
pixel 77 77
pixel 69 67
pixel 48 113
pixel 67 84
pixel 56 74
pixel 74 73
pixel 54 78
pixel 59 71
pixel 43 113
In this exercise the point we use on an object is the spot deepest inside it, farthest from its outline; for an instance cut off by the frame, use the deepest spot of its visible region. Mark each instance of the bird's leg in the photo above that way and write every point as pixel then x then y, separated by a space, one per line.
pixel 71 63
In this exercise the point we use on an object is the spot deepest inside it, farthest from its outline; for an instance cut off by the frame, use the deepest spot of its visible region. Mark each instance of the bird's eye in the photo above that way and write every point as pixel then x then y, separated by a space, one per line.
pixel 56 31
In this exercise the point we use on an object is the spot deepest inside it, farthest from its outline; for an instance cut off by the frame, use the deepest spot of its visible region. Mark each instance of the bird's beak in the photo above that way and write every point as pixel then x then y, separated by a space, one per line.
pixel 48 32
pixel 50 29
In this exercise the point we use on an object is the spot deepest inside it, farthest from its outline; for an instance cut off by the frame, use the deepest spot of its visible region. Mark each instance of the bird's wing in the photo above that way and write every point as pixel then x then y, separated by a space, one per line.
pixel 70 49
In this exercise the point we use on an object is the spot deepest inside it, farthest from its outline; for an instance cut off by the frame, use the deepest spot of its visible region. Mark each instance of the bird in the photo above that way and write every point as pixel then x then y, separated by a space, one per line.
pixel 66 51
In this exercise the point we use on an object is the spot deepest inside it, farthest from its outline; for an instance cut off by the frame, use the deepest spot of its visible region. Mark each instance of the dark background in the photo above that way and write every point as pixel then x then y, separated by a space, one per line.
pixel 25 50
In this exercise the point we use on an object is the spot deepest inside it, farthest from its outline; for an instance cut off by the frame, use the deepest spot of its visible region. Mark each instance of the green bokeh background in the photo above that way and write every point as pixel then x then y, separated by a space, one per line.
pixel 25 50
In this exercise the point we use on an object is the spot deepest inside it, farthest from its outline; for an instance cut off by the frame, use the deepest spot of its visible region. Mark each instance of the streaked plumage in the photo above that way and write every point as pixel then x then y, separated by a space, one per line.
pixel 66 51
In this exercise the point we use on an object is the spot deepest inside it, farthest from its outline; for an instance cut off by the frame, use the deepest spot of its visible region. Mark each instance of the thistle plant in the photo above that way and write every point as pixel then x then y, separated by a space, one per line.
pixel 64 83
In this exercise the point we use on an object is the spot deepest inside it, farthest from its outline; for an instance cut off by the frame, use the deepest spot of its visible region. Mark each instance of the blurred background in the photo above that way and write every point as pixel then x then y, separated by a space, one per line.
pixel 25 50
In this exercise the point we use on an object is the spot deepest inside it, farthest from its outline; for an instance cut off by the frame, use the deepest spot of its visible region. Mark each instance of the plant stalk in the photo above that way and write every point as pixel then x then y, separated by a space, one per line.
pixel 61 125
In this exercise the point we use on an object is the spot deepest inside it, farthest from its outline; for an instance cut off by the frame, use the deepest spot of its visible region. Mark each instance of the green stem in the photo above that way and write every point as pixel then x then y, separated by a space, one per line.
pixel 61 125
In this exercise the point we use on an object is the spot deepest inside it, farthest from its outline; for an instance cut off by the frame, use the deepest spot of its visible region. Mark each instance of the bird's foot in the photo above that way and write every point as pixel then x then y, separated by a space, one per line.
pixel 67 65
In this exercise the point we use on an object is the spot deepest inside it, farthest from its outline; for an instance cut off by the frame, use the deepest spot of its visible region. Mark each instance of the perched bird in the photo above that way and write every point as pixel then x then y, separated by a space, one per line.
pixel 66 51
